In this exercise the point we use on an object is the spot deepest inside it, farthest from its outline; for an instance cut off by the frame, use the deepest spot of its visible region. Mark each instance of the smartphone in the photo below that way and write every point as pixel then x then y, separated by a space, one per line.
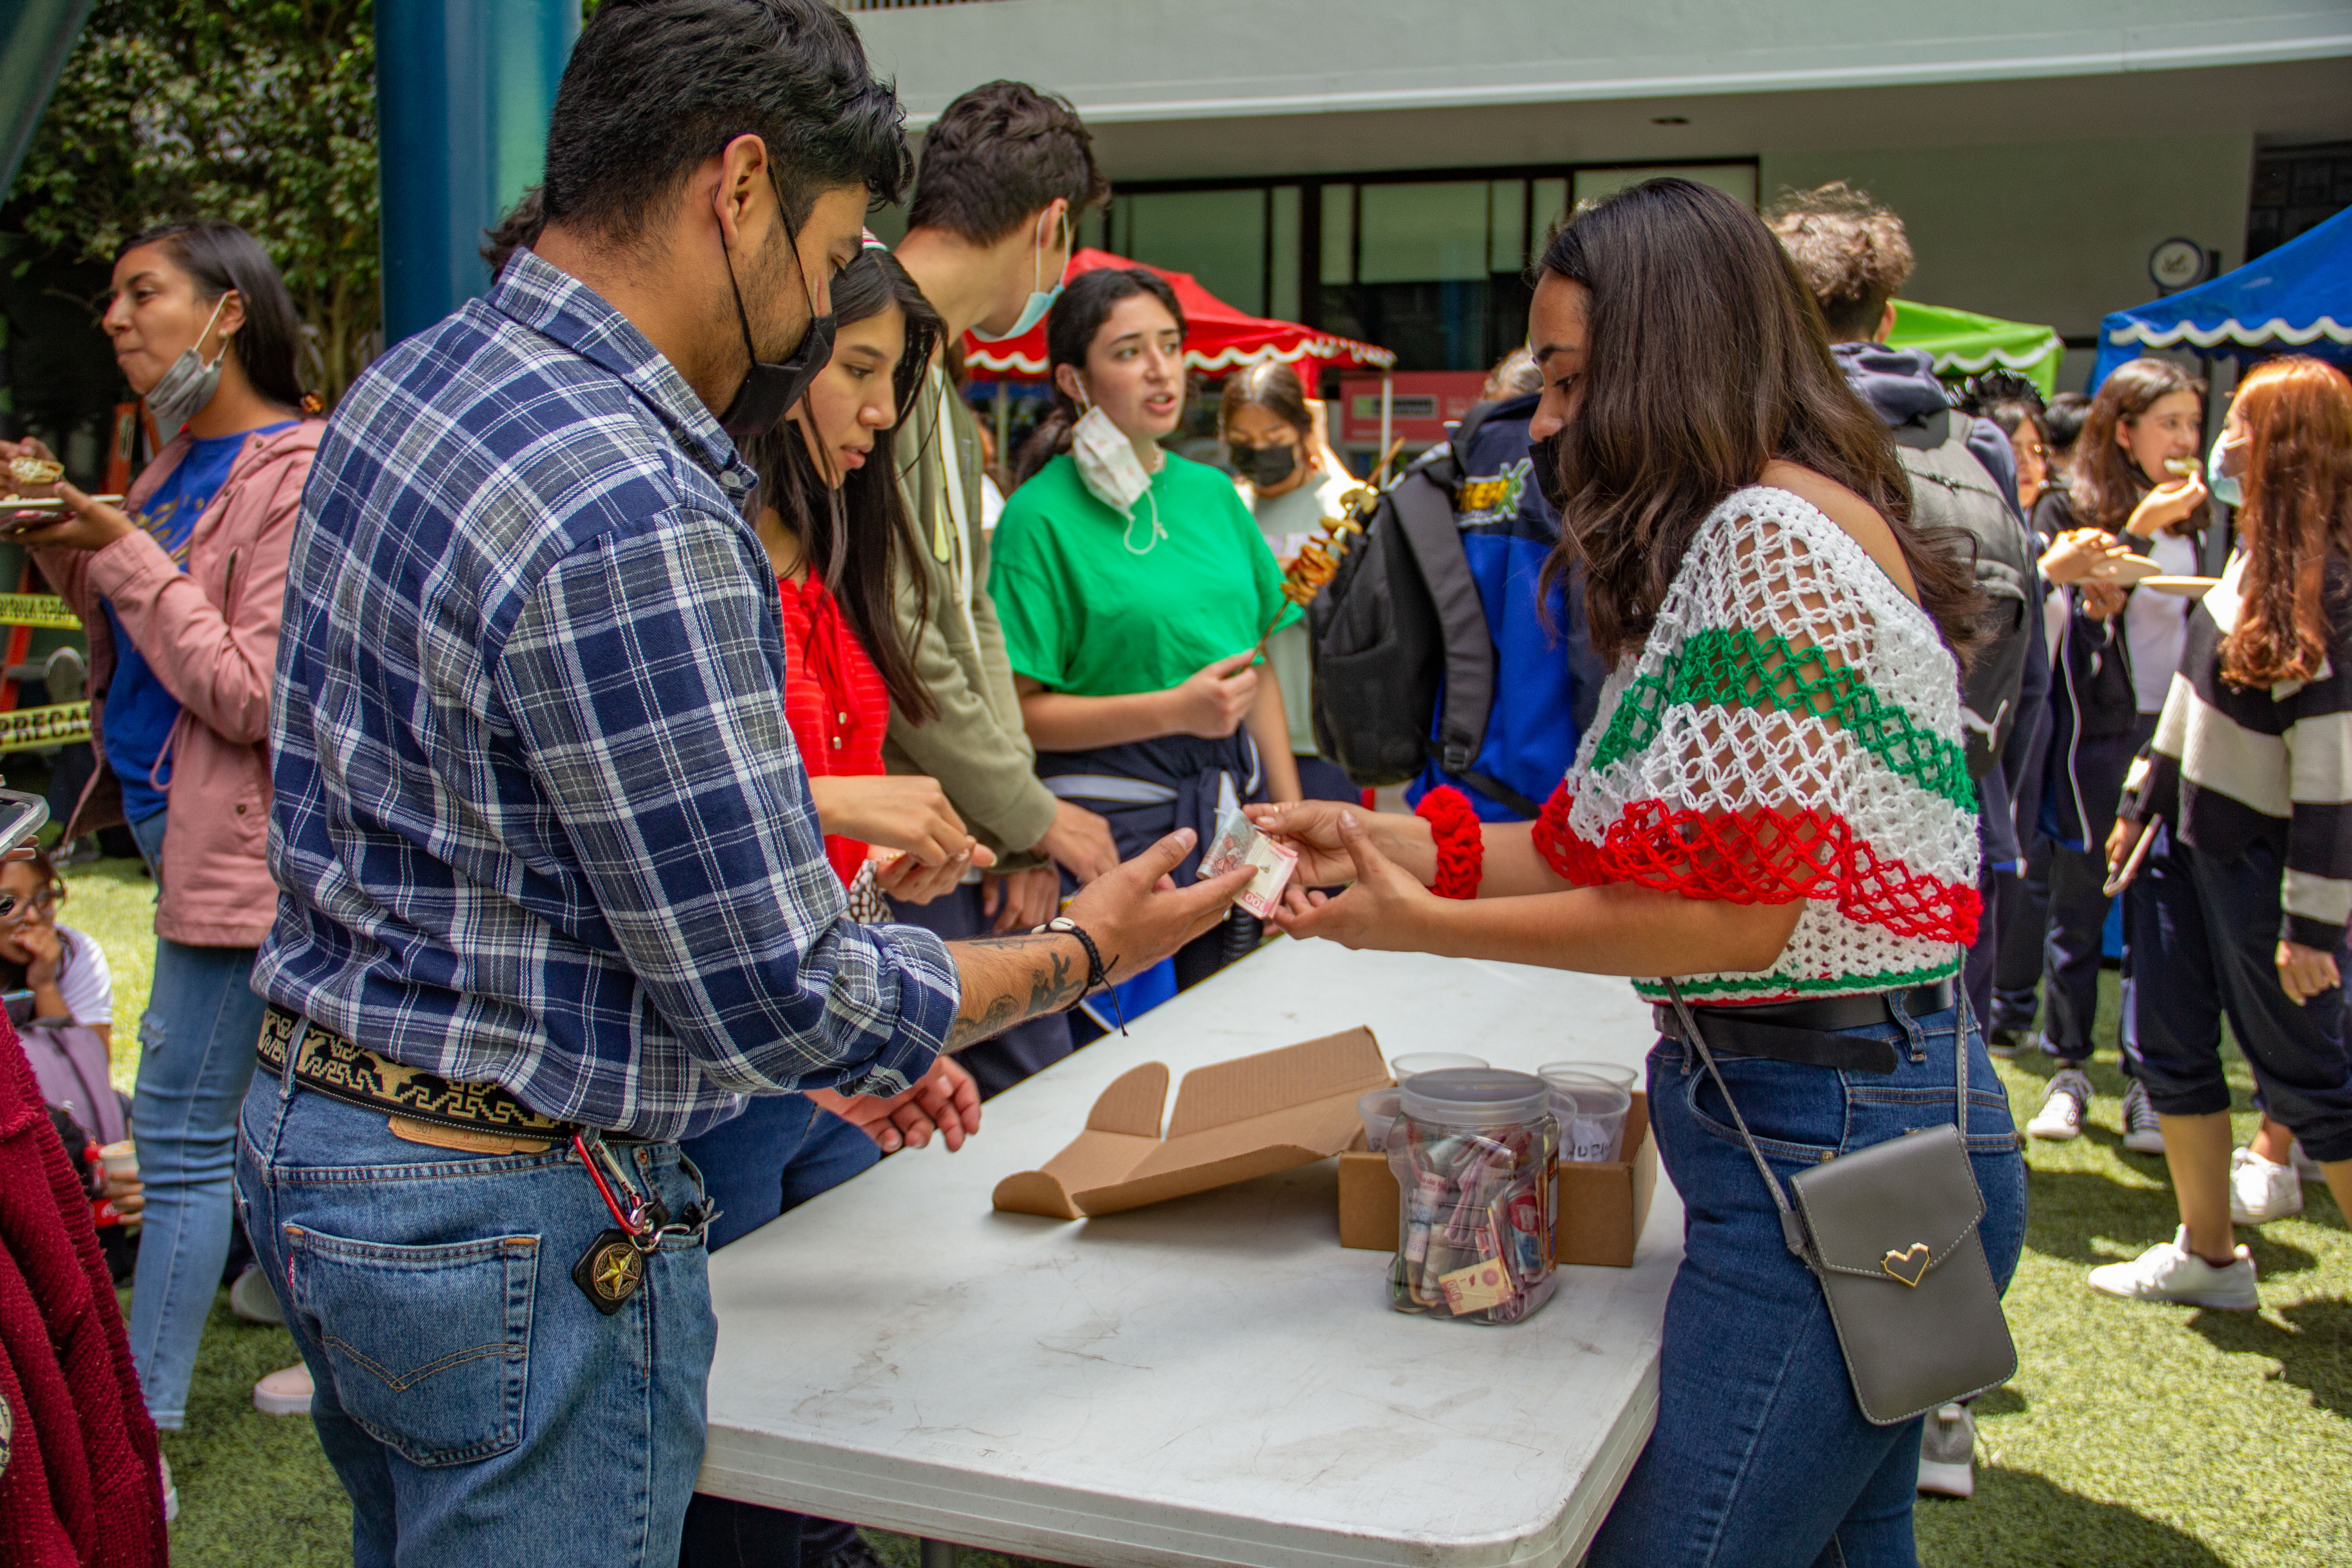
pixel 20 1006
pixel 21 816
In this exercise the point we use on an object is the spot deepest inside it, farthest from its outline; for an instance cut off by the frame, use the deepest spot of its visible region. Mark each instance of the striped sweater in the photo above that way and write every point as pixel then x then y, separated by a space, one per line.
pixel 1789 730
pixel 2233 766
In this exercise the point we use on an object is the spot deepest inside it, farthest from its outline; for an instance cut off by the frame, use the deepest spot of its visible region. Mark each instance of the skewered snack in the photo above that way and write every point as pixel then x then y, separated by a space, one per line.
pixel 2184 466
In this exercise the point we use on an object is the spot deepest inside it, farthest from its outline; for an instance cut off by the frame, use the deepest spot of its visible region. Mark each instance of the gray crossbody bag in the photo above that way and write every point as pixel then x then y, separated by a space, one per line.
pixel 1891 1233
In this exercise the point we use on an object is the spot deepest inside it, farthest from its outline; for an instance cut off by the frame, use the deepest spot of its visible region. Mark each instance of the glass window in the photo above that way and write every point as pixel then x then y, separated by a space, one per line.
pixel 1422 232
pixel 1338 234
pixel 1218 236
pixel 1282 256
pixel 1732 179
pixel 1550 203
pixel 1506 225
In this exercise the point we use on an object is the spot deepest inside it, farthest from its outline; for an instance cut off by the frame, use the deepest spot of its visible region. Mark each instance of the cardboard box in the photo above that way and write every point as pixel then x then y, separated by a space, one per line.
pixel 1245 1118
pixel 1603 1206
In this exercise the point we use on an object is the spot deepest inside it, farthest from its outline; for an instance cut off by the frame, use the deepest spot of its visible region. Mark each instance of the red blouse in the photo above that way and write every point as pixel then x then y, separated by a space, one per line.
pixel 834 700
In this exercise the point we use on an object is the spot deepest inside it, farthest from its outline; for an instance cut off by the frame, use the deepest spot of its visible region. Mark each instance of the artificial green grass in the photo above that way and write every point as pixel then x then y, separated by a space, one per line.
pixel 2135 1435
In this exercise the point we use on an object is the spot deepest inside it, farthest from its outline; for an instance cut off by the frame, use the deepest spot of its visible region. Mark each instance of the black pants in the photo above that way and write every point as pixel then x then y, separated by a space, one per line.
pixel 2206 932
pixel 2073 946
pixel 723 1534
pixel 2022 916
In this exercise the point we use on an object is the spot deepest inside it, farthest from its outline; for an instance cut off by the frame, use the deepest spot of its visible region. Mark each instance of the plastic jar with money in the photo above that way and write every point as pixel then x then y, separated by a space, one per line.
pixel 1474 1151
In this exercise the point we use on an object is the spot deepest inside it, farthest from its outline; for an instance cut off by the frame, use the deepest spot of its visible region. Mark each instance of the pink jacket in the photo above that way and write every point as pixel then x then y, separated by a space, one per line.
pixel 210 634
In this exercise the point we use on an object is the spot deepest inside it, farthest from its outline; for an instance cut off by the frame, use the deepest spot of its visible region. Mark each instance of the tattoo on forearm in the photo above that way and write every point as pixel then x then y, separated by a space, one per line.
pixel 1052 984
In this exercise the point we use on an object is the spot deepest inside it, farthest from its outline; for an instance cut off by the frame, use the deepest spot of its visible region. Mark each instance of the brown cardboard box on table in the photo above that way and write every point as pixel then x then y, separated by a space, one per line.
pixel 1232 1121
pixel 1603 1206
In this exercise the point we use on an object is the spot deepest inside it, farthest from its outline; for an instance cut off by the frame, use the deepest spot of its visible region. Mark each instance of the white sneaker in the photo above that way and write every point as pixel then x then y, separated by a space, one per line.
pixel 286 1392
pixel 2261 1192
pixel 2143 1133
pixel 2168 1271
pixel 251 1299
pixel 1947 1444
pixel 2062 1105
pixel 2305 1166
pixel 171 1492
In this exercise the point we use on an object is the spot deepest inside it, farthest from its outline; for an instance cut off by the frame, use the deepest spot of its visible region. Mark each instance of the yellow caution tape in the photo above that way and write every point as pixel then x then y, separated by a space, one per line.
pixel 60 725
pixel 36 610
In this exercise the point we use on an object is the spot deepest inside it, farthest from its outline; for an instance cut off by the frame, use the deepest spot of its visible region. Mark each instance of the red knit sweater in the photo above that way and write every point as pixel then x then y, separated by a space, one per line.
pixel 82 1488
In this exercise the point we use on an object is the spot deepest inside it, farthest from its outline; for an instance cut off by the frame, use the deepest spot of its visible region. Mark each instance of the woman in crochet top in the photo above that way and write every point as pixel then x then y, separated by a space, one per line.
pixel 1772 806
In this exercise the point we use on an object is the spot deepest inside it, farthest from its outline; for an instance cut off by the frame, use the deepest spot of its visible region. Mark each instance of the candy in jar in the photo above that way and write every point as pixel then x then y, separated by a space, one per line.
pixel 1475 1152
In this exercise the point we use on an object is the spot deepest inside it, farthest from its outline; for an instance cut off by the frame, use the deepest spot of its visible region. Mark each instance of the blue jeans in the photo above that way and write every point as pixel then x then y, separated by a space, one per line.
pixel 1761 1457
pixel 2209 929
pixel 195 1057
pixel 475 1405
pixel 782 1152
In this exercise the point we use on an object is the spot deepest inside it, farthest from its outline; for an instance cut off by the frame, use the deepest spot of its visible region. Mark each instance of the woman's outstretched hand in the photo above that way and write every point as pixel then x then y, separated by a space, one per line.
pixel 1384 907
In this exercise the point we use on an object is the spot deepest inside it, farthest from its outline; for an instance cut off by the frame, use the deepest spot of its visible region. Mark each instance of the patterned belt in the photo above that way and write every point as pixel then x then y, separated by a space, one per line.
pixel 334 1067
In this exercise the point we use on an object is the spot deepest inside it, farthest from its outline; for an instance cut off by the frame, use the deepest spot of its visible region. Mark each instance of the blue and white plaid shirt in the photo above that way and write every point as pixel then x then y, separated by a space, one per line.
pixel 538 815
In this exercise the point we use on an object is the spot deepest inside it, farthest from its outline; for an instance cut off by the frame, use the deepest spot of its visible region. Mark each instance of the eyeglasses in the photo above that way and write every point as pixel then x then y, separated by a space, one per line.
pixel 16 910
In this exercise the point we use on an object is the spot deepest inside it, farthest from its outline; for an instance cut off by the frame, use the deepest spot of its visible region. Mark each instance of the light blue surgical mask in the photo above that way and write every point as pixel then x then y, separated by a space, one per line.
pixel 1040 299
pixel 2225 487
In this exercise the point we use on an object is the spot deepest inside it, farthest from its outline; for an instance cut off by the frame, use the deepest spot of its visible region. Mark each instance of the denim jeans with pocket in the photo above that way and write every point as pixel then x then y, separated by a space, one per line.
pixel 1761 1458
pixel 195 1057
pixel 474 1404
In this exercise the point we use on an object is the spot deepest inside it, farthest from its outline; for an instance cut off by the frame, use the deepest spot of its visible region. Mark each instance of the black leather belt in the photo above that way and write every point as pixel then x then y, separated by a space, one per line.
pixel 1808 1032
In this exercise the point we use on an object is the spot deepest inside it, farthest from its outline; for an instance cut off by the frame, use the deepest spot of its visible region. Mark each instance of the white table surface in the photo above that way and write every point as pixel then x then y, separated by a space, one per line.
pixel 1211 1380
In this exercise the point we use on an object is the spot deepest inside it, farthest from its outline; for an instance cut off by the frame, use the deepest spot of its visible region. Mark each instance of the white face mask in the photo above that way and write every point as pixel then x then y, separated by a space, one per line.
pixel 1113 474
pixel 2225 486
pixel 190 382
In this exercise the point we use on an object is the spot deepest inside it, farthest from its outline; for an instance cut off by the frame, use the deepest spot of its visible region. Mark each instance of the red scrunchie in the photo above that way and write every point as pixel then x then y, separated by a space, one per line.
pixel 1461 841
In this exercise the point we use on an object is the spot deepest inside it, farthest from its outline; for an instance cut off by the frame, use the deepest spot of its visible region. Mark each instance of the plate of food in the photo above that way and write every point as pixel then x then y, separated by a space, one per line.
pixel 2186 587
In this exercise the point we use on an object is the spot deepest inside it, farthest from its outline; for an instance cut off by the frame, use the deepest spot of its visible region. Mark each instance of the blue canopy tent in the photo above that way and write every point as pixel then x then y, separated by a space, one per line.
pixel 2295 299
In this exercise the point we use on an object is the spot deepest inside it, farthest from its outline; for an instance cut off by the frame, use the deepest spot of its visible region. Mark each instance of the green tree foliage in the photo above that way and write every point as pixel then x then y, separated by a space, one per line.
pixel 260 112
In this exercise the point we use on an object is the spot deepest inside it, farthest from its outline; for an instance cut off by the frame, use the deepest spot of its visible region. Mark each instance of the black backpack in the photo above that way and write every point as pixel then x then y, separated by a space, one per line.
pixel 1400 621
pixel 1950 488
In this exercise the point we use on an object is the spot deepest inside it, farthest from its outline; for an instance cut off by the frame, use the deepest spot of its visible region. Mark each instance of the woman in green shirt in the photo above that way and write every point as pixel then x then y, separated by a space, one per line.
pixel 1135 592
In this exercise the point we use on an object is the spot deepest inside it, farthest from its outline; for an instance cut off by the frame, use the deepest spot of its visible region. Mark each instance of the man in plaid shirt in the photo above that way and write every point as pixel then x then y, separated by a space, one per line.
pixel 548 855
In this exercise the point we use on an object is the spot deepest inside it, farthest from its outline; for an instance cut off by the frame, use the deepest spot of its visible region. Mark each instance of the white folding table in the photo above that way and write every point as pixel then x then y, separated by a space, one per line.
pixel 1210 1380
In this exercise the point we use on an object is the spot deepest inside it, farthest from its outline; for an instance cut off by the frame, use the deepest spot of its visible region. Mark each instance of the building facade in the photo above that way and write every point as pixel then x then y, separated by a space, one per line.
pixel 1387 168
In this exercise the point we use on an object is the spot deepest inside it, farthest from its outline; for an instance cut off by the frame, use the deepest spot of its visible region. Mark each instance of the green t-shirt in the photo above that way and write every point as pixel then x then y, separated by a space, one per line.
pixel 1084 614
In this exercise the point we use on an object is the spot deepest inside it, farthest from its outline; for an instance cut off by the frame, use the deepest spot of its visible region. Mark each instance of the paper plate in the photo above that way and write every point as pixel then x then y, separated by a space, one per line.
pixel 2125 569
pixel 2186 587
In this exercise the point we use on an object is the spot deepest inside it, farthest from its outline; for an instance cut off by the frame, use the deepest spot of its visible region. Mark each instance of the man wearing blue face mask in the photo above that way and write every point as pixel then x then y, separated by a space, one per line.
pixel 1007 174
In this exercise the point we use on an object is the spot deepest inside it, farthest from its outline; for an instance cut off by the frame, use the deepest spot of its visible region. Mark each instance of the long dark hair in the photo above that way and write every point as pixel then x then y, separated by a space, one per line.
pixel 218 257
pixel 1704 360
pixel 855 547
pixel 2296 521
pixel 2105 482
pixel 1070 332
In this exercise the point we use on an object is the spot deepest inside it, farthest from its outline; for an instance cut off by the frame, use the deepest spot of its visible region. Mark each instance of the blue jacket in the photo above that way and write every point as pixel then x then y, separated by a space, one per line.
pixel 1547 676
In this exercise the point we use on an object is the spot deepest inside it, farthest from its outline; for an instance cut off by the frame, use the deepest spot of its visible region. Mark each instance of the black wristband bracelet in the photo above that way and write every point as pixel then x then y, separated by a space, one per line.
pixel 1096 973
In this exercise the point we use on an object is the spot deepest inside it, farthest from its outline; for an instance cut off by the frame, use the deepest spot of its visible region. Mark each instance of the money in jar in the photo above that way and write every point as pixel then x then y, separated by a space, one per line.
pixel 1475 1152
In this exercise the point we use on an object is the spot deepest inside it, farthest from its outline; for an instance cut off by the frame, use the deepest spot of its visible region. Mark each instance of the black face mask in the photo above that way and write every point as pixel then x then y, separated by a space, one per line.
pixel 1265 466
pixel 1546 454
pixel 771 388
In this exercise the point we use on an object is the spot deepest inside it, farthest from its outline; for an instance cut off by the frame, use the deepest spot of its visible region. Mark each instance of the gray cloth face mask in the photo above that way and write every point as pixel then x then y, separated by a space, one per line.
pixel 190 383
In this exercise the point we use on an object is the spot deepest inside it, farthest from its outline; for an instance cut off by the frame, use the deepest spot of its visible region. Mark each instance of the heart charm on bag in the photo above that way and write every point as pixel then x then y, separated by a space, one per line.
pixel 1915 1260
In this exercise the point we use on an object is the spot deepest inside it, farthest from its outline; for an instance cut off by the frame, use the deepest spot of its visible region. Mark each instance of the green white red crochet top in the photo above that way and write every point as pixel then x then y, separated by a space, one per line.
pixel 1790 729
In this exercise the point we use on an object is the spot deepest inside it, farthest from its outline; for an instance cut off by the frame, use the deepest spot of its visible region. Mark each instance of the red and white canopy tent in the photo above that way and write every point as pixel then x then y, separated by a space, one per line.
pixel 1217 338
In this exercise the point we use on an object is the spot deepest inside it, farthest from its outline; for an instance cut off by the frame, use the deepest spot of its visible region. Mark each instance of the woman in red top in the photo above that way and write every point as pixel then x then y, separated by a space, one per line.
pixel 834 523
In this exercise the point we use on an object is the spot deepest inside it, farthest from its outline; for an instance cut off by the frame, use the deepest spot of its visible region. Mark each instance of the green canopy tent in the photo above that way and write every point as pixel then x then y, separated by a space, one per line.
pixel 1965 343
